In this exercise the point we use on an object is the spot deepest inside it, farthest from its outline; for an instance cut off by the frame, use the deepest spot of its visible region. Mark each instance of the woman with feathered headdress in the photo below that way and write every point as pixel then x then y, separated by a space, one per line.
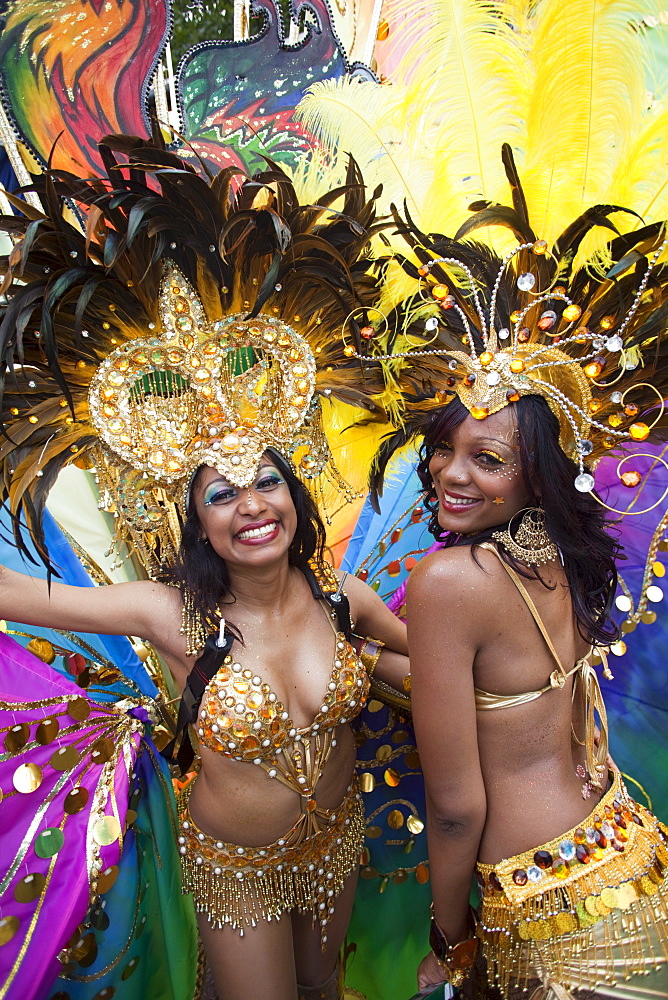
pixel 181 345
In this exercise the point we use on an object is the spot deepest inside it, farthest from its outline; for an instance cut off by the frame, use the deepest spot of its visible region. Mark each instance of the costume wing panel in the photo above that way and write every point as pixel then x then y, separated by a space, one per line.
pixel 86 66
pixel 238 97
pixel 73 774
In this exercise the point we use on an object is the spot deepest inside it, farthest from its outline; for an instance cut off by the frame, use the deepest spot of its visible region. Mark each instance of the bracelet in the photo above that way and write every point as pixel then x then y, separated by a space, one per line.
pixel 369 654
pixel 457 960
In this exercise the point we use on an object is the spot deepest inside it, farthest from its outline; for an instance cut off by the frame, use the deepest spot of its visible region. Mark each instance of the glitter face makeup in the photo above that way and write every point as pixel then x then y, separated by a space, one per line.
pixel 467 470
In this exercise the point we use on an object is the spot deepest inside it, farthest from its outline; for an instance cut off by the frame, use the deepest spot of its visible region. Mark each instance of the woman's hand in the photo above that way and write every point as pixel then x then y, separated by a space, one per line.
pixel 430 972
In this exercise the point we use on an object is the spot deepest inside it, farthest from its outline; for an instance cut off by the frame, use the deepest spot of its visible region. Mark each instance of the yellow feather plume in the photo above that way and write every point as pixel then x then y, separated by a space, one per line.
pixel 562 81
pixel 368 121
pixel 587 99
pixel 466 89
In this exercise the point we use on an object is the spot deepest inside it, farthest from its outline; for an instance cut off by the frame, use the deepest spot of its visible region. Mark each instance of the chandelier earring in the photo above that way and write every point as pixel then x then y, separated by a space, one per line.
pixel 531 543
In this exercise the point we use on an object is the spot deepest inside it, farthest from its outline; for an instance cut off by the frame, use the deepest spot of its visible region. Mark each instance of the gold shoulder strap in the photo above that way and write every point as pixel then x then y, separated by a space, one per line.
pixel 560 679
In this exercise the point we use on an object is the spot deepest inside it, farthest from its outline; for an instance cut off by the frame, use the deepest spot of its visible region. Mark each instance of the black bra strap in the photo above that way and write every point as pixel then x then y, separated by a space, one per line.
pixel 206 667
pixel 338 602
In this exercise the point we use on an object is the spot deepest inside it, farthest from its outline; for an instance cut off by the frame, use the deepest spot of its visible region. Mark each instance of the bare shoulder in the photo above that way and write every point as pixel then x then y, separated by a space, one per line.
pixel 454 574
pixel 360 595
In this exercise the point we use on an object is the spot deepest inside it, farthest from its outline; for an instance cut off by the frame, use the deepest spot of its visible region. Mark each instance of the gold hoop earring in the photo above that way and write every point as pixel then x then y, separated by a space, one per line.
pixel 532 544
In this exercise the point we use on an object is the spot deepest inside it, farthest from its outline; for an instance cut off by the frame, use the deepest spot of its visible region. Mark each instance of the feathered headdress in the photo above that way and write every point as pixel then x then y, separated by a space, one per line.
pixel 196 320
pixel 589 340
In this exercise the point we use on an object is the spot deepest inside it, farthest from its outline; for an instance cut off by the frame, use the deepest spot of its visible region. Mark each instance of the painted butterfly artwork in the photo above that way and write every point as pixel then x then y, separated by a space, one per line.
pixel 88 65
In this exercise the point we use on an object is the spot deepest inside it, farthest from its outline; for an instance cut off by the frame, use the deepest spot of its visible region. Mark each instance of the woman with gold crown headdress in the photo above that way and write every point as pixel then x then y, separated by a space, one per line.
pixel 184 342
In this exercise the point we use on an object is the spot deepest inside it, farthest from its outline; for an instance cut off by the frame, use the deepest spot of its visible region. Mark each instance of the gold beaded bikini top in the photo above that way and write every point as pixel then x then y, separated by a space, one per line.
pixel 583 672
pixel 242 717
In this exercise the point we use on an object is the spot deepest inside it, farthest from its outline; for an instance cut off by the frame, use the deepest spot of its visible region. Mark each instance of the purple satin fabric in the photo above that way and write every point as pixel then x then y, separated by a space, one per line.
pixel 47 923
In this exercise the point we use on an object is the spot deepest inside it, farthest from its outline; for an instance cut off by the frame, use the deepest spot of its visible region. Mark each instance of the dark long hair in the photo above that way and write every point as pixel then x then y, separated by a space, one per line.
pixel 575 522
pixel 202 573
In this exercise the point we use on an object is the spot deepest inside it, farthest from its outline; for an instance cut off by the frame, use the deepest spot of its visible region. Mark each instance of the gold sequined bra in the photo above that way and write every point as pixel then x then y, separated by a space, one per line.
pixel 242 718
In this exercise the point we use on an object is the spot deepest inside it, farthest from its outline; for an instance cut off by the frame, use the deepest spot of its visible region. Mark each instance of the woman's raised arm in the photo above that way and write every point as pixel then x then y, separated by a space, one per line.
pixel 142 608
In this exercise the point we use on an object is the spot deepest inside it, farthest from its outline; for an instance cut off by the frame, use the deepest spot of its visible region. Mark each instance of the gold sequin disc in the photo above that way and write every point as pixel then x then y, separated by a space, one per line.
pixel 106 830
pixel 610 897
pixel 78 709
pixel 27 778
pixel 130 968
pixel 415 824
pixel 64 759
pixel 395 819
pixel 102 750
pixel 75 800
pixel 8 928
pixel 422 873
pixel 384 752
pixel 373 832
pixel 47 731
pixel 106 879
pixel 565 923
pixel 392 777
pixel 17 737
pixel 367 781
pixel 29 888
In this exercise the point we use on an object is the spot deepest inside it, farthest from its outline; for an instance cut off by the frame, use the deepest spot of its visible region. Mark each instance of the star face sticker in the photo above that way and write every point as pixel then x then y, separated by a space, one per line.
pixel 498 500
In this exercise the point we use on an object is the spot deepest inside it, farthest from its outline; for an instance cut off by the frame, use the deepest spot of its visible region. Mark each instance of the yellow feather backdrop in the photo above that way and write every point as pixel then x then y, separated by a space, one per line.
pixel 562 81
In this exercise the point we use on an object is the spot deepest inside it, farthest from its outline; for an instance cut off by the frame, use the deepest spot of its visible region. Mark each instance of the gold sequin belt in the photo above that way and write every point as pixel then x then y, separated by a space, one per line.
pixel 239 886
pixel 558 910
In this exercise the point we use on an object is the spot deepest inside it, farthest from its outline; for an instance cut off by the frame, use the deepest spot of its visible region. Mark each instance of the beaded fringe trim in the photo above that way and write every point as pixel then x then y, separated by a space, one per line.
pixel 238 887
pixel 605 919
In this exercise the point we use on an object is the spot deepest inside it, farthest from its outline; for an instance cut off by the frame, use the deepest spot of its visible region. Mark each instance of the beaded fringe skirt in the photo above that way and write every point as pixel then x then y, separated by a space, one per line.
pixel 588 908
pixel 240 886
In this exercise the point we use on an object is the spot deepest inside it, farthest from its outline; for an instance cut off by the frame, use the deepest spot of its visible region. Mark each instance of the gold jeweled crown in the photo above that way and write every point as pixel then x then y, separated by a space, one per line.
pixel 203 393
pixel 193 322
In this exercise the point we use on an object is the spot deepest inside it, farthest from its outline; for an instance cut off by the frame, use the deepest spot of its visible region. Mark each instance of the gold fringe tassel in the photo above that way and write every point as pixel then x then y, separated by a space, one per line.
pixel 238 887
pixel 578 920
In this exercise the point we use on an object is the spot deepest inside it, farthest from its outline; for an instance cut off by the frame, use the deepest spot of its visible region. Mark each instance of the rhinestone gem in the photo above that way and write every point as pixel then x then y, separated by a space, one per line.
pixel 534 873
pixel 567 850
pixel 492 378
pixel 586 447
pixel 616 397
pixel 584 483
pixel 520 877
pixel 504 333
pixel 526 281
pixel 560 868
pixel 614 344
